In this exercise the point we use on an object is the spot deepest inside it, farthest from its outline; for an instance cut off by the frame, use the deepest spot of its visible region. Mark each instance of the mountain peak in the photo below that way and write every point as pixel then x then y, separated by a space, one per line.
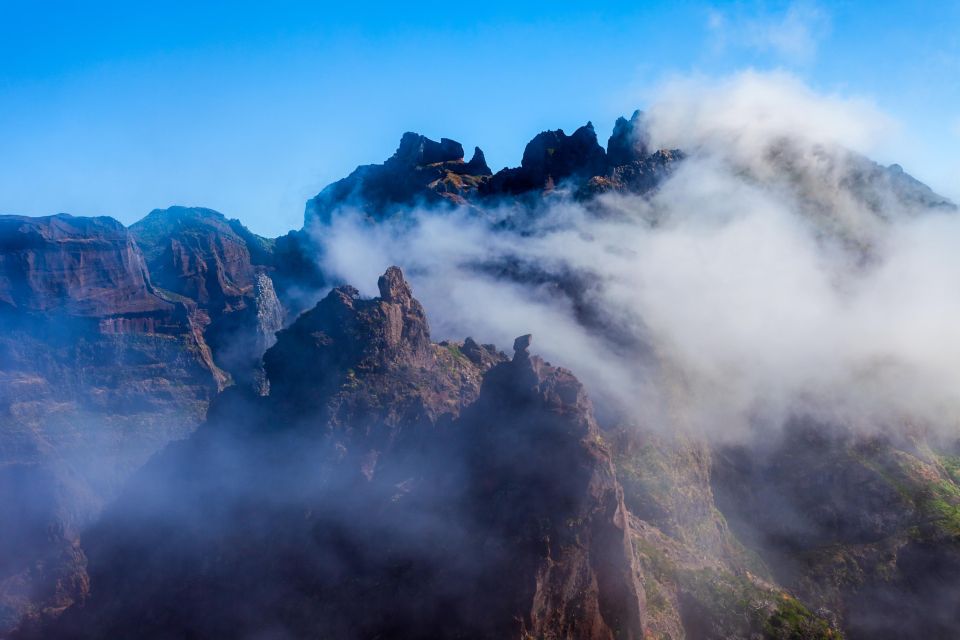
pixel 393 288
pixel 417 150
pixel 478 164
pixel 628 142
pixel 521 346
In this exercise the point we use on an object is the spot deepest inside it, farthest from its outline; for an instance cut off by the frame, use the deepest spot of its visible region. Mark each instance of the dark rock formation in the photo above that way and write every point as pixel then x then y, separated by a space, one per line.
pixel 628 142
pixel 546 503
pixel 551 158
pixel 355 501
pixel 421 172
pixel 478 164
pixel 427 173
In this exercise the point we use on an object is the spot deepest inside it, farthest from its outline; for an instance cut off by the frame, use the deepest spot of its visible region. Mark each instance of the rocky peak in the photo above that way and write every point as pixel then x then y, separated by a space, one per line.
pixel 219 268
pixel 545 494
pixel 555 154
pixel 417 150
pixel 550 158
pixel 393 288
pixel 478 164
pixel 421 171
pixel 628 142
pixel 345 332
pixel 521 346
pixel 195 252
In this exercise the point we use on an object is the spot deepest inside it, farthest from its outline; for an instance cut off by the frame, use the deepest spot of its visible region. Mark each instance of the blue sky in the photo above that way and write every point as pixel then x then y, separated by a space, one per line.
pixel 250 108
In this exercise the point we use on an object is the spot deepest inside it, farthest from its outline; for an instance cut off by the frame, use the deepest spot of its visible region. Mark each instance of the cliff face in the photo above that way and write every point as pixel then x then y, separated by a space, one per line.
pixel 222 271
pixel 101 365
pixel 98 372
pixel 545 501
pixel 86 267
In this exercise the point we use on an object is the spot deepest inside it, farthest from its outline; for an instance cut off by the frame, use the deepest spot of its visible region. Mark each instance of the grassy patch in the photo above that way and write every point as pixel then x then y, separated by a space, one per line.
pixel 454 350
pixel 793 621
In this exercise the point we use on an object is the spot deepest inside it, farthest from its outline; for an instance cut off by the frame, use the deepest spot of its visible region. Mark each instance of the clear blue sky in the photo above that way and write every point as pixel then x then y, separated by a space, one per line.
pixel 115 108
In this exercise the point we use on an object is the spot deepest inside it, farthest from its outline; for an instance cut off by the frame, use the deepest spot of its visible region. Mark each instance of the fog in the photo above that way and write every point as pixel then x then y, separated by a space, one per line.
pixel 777 271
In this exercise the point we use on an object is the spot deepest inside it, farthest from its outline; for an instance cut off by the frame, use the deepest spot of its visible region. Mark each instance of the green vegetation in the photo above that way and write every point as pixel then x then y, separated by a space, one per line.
pixel 454 349
pixel 934 494
pixel 793 621
pixel 951 465
pixel 942 502
pixel 738 607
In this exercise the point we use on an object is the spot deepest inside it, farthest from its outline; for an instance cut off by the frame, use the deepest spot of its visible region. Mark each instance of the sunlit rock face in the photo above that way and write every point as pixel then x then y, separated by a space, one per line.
pixel 114 342
pixel 223 271
pixel 99 370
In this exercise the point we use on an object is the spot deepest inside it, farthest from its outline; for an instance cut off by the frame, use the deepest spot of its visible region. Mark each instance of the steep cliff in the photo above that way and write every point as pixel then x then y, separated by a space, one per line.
pixel 98 370
pixel 222 271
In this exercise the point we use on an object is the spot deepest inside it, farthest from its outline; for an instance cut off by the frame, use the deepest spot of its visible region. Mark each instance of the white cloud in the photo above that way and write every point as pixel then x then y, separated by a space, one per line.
pixel 742 112
pixel 794 35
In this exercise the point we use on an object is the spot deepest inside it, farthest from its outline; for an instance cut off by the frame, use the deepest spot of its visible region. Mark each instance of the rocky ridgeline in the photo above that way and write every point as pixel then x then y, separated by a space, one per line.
pixel 427 173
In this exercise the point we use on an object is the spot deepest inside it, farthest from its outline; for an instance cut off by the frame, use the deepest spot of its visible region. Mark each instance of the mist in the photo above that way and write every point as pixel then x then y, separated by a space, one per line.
pixel 777 272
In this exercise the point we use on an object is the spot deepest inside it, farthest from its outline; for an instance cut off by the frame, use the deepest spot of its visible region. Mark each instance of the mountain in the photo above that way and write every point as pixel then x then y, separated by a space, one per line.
pixel 420 172
pixel 388 486
pixel 204 433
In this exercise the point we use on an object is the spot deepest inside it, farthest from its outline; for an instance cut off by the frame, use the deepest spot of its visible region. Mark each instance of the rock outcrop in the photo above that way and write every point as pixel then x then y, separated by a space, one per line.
pixel 421 172
pixel 426 173
pixel 629 141
pixel 549 159
pixel 545 502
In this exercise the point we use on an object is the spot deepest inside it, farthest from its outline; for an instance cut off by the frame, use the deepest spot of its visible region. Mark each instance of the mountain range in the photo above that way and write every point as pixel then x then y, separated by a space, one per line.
pixel 205 433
